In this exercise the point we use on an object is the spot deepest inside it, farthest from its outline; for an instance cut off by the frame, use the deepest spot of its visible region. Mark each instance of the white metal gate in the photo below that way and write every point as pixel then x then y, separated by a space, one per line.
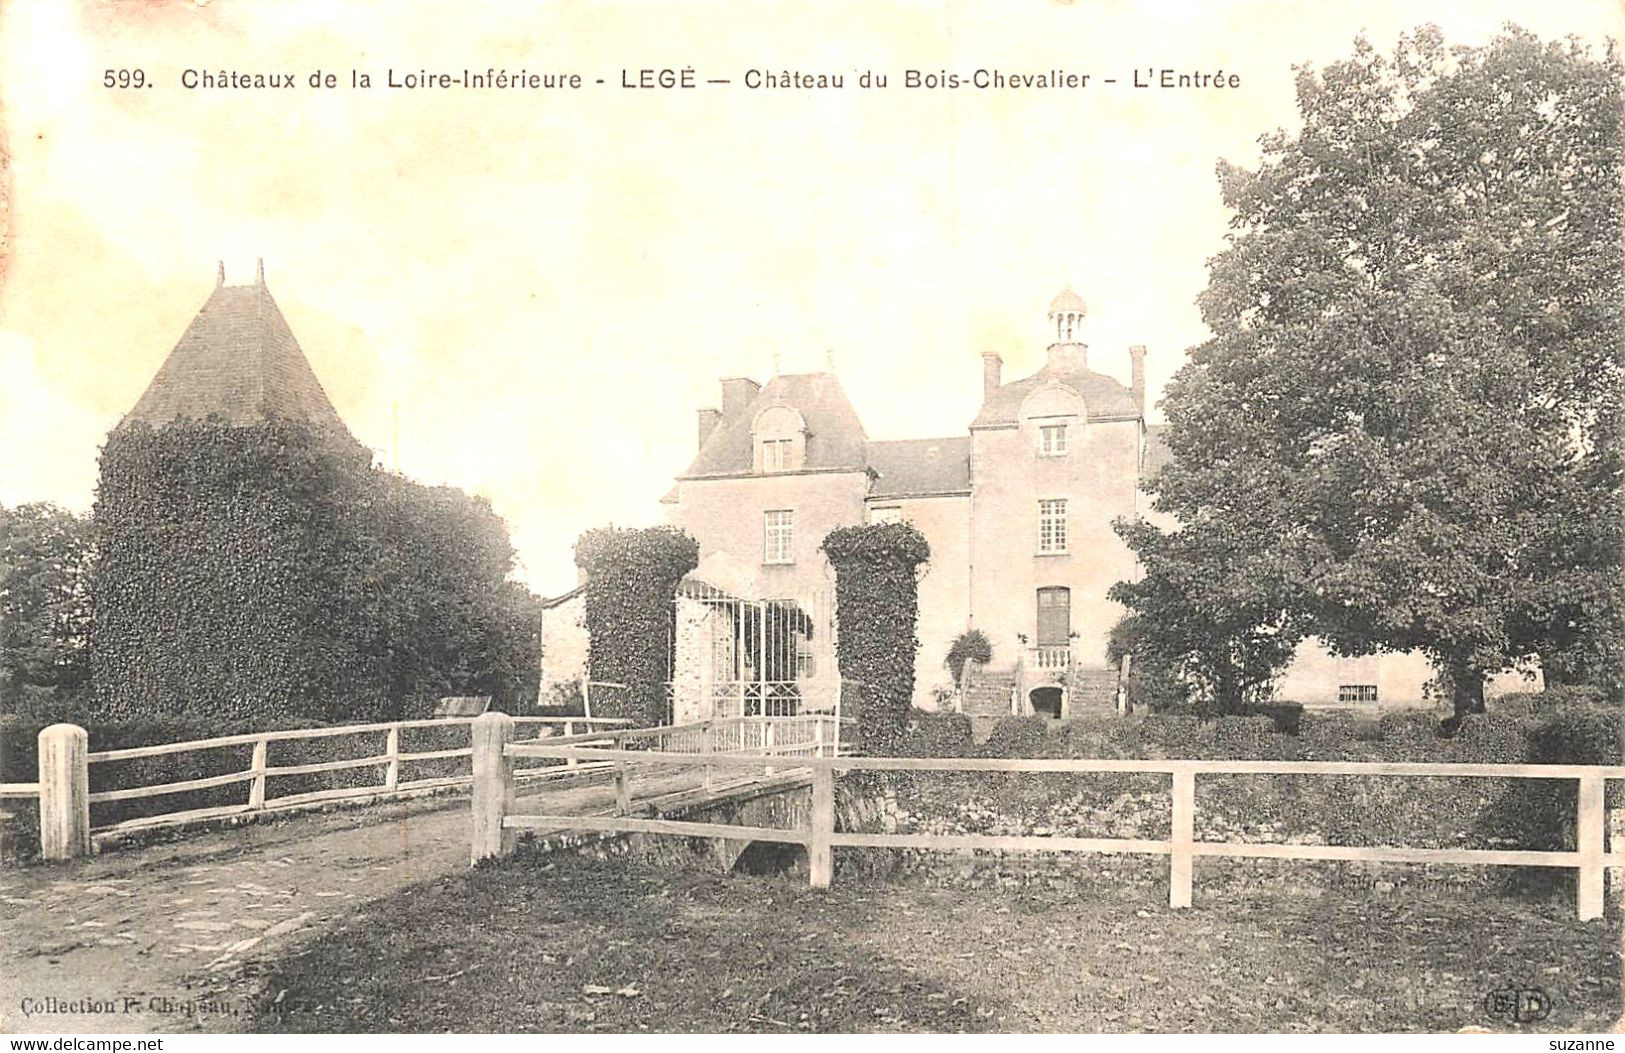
pixel 738 657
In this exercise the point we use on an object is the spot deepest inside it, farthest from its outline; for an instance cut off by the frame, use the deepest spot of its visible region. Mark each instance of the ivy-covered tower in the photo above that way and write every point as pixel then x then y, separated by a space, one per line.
pixel 225 501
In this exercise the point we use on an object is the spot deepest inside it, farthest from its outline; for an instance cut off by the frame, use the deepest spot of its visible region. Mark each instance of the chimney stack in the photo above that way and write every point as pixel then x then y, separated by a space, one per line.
pixel 709 419
pixel 1136 356
pixel 259 272
pixel 220 275
pixel 737 393
pixel 992 364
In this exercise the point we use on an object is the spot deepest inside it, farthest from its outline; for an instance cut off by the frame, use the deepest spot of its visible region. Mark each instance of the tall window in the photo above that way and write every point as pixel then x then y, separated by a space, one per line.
pixel 1052 525
pixel 779 529
pixel 1052 440
pixel 776 454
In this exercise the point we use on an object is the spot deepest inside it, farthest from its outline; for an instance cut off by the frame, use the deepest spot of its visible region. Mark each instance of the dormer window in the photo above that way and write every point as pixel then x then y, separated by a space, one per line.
pixel 779 438
pixel 1052 440
pixel 776 455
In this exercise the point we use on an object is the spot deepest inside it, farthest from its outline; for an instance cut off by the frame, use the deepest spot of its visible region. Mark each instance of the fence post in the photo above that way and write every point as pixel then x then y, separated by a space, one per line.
pixel 1589 835
pixel 818 737
pixel 1180 838
pixel 769 738
pixel 392 749
pixel 64 792
pixel 570 729
pixel 820 854
pixel 493 785
pixel 708 744
pixel 623 779
pixel 256 788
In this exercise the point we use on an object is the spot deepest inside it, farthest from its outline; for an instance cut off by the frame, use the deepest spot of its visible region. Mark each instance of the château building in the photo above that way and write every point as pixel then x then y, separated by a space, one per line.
pixel 1018 512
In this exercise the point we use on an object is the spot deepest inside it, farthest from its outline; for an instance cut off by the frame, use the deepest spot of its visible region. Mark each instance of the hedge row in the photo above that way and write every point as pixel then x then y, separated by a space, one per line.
pixel 271 572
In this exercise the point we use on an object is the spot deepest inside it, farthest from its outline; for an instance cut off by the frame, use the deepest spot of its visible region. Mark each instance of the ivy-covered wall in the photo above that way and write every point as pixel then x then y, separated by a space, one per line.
pixel 632 578
pixel 269 572
pixel 877 612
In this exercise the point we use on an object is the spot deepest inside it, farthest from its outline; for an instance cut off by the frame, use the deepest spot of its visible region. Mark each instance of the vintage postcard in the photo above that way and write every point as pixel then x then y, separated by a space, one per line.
pixel 918 516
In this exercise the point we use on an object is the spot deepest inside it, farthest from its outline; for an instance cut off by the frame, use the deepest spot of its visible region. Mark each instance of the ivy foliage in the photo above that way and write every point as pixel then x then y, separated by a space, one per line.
pixel 877 611
pixel 270 572
pixel 632 578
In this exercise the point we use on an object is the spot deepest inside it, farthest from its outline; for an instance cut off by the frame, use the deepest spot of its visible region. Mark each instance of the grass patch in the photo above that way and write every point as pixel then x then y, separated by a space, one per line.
pixel 577 944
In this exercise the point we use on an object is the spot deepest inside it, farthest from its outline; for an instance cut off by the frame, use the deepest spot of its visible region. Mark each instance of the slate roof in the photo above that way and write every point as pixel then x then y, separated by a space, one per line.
pixel 238 361
pixel 835 437
pixel 1103 397
pixel 1157 452
pixel 913 467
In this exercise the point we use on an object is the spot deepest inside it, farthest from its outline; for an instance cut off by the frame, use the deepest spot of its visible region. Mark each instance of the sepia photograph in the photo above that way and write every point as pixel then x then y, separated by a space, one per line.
pixel 784 517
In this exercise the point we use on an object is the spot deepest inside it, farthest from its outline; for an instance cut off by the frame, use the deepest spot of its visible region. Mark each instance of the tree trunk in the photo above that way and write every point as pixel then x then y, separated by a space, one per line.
pixel 1556 669
pixel 1467 691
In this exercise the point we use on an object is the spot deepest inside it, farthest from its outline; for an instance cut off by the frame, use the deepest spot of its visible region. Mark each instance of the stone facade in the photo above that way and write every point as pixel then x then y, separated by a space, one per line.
pixel 1321 679
pixel 564 647
pixel 1017 512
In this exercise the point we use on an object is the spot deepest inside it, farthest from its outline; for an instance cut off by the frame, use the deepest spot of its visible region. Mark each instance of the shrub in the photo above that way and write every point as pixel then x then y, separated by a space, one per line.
pixel 971 645
pixel 877 607
pixel 270 573
pixel 1017 737
pixel 936 735
pixel 44 602
pixel 632 579
pixel 1286 716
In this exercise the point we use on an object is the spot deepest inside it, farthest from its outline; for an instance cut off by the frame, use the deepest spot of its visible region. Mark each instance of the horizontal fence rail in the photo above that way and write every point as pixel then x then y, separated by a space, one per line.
pixel 65 761
pixel 1589 857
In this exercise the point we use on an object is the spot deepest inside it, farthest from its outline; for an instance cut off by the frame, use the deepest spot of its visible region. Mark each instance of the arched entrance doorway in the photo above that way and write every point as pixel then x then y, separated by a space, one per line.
pixel 1045 702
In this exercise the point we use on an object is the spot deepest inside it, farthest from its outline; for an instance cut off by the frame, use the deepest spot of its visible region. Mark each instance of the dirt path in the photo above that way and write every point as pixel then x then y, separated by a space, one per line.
pixel 136 940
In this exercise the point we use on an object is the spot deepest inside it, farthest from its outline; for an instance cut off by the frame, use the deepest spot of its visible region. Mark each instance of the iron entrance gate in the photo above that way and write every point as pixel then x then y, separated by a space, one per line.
pixel 737 657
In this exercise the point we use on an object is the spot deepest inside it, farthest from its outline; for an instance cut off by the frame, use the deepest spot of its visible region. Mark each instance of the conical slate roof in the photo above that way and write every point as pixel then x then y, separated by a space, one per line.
pixel 240 362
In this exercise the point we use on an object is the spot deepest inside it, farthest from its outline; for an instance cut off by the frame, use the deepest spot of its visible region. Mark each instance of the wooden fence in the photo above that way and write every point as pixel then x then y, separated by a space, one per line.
pixel 495 816
pixel 758 745
pixel 65 759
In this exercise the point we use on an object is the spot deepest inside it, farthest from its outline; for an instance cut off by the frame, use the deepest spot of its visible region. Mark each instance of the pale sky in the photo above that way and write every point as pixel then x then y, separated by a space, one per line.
pixel 542 287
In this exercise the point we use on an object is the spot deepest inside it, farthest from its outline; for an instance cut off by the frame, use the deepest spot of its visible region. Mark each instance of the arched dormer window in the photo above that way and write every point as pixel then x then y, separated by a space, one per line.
pixel 779 440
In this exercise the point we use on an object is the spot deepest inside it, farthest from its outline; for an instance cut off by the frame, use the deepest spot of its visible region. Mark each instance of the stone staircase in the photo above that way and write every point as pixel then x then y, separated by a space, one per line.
pixel 988 699
pixel 1094 691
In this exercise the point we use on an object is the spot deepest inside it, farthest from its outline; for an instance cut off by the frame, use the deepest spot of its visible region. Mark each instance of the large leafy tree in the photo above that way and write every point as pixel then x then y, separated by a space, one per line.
pixel 45 616
pixel 1207 616
pixel 1410 403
